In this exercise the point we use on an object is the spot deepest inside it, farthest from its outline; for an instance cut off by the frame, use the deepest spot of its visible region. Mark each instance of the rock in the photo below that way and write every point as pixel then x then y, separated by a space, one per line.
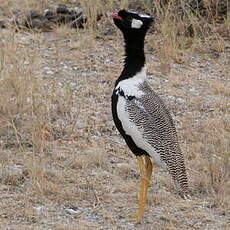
pixel 72 211
pixel 74 17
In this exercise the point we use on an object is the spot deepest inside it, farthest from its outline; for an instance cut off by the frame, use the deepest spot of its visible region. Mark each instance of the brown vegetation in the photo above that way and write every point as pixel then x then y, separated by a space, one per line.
pixel 63 164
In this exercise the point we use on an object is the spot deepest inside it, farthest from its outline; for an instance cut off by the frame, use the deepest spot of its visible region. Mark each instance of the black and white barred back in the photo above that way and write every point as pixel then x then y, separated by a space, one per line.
pixel 153 120
pixel 138 113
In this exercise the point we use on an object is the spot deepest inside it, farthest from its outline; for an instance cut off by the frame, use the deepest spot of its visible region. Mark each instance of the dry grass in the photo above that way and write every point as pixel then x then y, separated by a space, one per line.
pixel 64 166
pixel 183 33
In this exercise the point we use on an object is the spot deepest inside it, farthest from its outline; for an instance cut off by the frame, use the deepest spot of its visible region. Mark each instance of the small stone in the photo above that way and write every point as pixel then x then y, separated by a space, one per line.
pixel 72 211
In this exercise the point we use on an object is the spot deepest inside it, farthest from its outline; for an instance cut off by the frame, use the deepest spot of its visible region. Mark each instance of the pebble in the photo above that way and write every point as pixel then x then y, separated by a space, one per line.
pixel 72 211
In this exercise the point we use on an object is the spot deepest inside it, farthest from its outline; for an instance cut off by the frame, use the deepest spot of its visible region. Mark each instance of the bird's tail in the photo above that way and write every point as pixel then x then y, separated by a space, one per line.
pixel 177 169
pixel 181 180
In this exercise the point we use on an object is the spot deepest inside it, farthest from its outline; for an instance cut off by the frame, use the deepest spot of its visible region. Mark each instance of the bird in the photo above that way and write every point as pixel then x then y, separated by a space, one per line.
pixel 139 113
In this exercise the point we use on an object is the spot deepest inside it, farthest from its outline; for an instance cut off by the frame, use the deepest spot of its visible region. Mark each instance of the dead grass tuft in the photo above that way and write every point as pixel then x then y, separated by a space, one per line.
pixel 184 31
pixel 210 158
pixel 30 110
pixel 59 148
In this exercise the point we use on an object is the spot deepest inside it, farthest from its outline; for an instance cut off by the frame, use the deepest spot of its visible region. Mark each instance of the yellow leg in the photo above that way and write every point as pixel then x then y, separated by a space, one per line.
pixel 146 167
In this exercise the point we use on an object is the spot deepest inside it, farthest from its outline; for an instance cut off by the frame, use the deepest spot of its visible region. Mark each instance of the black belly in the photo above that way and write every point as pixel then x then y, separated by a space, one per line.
pixel 128 139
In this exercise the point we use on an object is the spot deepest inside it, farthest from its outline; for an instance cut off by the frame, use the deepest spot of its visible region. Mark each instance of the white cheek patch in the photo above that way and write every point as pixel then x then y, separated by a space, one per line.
pixel 136 24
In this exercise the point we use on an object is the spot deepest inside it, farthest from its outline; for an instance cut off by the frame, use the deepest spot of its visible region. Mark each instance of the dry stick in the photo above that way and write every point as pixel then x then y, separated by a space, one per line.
pixel 97 200
pixel 17 134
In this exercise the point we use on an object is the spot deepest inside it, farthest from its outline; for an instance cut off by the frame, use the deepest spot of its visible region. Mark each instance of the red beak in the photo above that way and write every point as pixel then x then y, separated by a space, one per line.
pixel 116 16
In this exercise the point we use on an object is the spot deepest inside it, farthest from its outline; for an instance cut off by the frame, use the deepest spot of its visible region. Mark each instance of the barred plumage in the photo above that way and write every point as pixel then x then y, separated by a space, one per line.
pixel 155 125
pixel 151 116
pixel 140 115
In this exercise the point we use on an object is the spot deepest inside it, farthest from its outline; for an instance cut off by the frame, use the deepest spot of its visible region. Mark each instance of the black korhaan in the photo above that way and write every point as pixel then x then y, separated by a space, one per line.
pixel 140 115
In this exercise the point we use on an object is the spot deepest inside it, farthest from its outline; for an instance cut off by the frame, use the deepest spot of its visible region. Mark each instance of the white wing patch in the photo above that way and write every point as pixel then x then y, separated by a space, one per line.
pixel 130 86
pixel 135 132
pixel 137 24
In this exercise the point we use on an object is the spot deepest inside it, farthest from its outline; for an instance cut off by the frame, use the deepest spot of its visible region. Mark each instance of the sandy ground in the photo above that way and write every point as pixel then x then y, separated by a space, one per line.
pixel 85 177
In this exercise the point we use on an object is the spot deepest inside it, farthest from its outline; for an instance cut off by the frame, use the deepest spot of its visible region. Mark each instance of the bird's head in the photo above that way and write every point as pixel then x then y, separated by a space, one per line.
pixel 130 22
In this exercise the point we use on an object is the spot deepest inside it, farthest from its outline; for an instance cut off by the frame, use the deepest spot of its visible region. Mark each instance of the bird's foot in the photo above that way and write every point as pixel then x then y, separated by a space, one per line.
pixel 136 217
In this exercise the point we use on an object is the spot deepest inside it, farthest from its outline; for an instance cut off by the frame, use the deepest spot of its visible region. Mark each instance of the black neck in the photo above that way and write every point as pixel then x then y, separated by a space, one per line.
pixel 134 56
